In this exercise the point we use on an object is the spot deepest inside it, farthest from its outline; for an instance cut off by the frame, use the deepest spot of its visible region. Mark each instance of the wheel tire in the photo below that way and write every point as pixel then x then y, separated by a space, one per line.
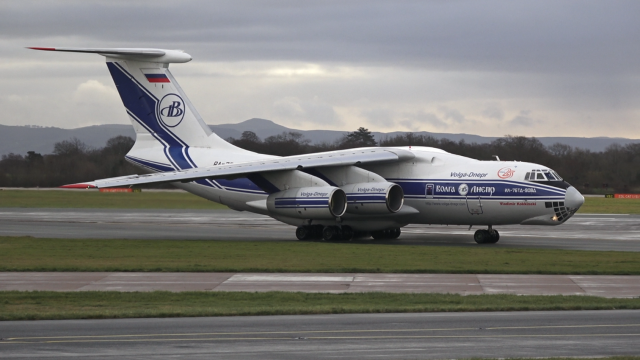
pixel 303 233
pixel 328 233
pixel 495 236
pixel 316 232
pixel 482 236
pixel 379 234
pixel 395 233
pixel 346 233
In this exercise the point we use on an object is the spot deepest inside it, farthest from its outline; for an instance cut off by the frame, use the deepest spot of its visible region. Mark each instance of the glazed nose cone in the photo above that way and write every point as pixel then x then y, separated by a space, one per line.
pixel 573 199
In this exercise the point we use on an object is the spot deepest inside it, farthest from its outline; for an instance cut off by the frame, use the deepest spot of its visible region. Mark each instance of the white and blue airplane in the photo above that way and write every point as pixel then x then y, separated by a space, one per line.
pixel 333 195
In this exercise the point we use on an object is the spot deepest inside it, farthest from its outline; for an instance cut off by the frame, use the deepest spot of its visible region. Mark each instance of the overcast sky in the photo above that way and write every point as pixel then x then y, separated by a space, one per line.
pixel 534 68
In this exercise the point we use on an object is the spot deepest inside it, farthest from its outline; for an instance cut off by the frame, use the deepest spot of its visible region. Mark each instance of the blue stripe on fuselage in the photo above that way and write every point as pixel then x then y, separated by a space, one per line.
pixel 505 189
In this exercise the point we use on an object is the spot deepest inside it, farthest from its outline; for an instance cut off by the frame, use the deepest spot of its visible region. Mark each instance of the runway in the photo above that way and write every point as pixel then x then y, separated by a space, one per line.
pixel 581 232
pixel 385 336
pixel 464 284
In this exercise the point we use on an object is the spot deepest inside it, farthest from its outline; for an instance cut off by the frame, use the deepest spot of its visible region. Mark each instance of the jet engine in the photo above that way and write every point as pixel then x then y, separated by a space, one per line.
pixel 374 198
pixel 319 203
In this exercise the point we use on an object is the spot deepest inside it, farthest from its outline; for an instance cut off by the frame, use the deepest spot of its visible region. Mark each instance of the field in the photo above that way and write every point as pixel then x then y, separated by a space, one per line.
pixel 601 205
pixel 41 305
pixel 36 254
pixel 182 200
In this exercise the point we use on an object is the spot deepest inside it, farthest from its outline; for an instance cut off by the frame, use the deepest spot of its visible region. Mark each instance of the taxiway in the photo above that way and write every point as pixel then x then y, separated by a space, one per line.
pixel 348 336
pixel 581 232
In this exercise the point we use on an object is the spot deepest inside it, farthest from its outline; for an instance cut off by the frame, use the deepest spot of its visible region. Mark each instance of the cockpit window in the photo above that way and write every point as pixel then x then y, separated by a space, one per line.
pixel 542 175
pixel 551 176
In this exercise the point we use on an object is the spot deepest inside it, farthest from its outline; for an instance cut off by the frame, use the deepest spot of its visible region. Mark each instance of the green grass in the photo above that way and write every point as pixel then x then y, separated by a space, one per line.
pixel 31 254
pixel 98 200
pixel 601 205
pixel 37 305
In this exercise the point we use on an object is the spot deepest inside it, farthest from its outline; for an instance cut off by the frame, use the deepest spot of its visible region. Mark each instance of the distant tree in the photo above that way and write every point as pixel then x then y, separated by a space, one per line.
pixel 33 157
pixel 287 143
pixel 250 136
pixel 359 138
pixel 72 146
pixel 248 141
pixel 119 145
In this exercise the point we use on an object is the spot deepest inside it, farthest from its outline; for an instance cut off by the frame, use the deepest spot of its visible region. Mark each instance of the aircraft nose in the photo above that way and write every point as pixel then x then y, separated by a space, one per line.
pixel 573 199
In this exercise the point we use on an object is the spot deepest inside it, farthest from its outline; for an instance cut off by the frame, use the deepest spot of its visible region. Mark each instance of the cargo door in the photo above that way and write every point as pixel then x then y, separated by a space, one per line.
pixel 474 205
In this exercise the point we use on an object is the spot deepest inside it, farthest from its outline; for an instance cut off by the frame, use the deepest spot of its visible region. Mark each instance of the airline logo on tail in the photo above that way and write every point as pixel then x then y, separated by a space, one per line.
pixel 171 110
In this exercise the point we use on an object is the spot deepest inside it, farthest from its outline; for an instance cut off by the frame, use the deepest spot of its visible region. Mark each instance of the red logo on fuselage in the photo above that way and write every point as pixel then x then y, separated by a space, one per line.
pixel 506 173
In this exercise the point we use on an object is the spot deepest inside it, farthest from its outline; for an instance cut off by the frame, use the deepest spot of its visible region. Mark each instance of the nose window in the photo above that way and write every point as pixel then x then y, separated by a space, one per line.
pixel 542 175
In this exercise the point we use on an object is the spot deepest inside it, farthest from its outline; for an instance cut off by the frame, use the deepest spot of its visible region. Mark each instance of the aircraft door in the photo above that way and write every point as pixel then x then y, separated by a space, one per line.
pixel 474 205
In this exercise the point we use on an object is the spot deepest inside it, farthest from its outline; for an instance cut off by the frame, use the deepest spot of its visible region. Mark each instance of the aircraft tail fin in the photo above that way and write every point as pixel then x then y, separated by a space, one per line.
pixel 161 113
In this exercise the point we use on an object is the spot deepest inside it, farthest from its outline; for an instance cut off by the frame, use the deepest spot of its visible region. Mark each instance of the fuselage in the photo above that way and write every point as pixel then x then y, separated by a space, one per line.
pixel 439 188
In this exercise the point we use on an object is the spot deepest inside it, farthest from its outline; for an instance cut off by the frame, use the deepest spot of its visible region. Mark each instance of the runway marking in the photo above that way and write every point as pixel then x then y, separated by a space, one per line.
pixel 119 338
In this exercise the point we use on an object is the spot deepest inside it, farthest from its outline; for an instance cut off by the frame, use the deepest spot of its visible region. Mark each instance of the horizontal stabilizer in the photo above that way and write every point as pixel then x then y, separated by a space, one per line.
pixel 139 54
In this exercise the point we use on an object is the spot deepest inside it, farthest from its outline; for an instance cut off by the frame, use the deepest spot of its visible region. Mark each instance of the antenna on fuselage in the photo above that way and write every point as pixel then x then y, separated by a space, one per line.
pixel 497 157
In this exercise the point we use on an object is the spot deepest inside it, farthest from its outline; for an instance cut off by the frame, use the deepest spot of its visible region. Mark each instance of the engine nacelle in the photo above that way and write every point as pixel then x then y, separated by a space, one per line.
pixel 321 203
pixel 374 198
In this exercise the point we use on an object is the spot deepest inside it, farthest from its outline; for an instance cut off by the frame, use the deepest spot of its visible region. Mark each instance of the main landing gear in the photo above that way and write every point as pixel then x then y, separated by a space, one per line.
pixel 326 233
pixel 342 233
pixel 489 236
pixel 386 234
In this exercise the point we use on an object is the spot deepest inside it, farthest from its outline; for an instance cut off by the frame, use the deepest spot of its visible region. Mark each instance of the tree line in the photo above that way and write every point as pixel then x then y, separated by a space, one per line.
pixel 617 168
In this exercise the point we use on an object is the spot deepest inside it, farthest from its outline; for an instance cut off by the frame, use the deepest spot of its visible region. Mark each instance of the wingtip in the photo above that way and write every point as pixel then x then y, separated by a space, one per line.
pixel 41 48
pixel 78 186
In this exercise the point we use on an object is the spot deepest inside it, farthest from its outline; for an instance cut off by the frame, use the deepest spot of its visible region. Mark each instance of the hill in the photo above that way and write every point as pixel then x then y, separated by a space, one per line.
pixel 20 139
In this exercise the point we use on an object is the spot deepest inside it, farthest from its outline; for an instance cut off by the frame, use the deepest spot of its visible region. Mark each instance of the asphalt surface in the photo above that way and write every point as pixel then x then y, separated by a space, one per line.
pixel 386 336
pixel 464 284
pixel 581 232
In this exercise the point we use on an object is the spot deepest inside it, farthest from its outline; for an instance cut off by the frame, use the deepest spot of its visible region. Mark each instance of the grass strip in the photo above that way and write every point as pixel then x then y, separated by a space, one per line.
pixel 36 254
pixel 97 200
pixel 40 305
pixel 601 205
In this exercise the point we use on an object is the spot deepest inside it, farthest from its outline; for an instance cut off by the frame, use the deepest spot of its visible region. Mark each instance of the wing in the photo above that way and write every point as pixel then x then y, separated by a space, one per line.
pixel 333 158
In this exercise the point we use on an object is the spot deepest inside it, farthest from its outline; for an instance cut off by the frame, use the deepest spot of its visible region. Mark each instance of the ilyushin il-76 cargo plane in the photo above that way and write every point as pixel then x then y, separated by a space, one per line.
pixel 332 195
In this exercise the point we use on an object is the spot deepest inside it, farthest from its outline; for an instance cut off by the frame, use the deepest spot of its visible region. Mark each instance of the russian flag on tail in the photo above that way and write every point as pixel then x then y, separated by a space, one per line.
pixel 155 75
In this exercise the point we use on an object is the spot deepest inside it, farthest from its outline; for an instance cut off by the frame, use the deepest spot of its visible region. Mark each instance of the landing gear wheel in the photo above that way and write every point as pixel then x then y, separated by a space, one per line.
pixel 395 233
pixel 378 235
pixel 482 237
pixel 303 233
pixel 495 236
pixel 346 233
pixel 330 233
pixel 386 234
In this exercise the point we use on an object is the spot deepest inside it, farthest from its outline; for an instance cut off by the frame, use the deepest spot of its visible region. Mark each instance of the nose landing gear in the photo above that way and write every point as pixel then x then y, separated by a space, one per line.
pixel 489 236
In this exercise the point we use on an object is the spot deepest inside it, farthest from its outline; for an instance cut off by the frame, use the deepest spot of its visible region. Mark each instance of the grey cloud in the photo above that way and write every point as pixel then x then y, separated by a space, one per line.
pixel 315 110
pixel 417 121
pixel 454 115
pixel 520 36
pixel 523 119
pixel 379 116
pixel 493 112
